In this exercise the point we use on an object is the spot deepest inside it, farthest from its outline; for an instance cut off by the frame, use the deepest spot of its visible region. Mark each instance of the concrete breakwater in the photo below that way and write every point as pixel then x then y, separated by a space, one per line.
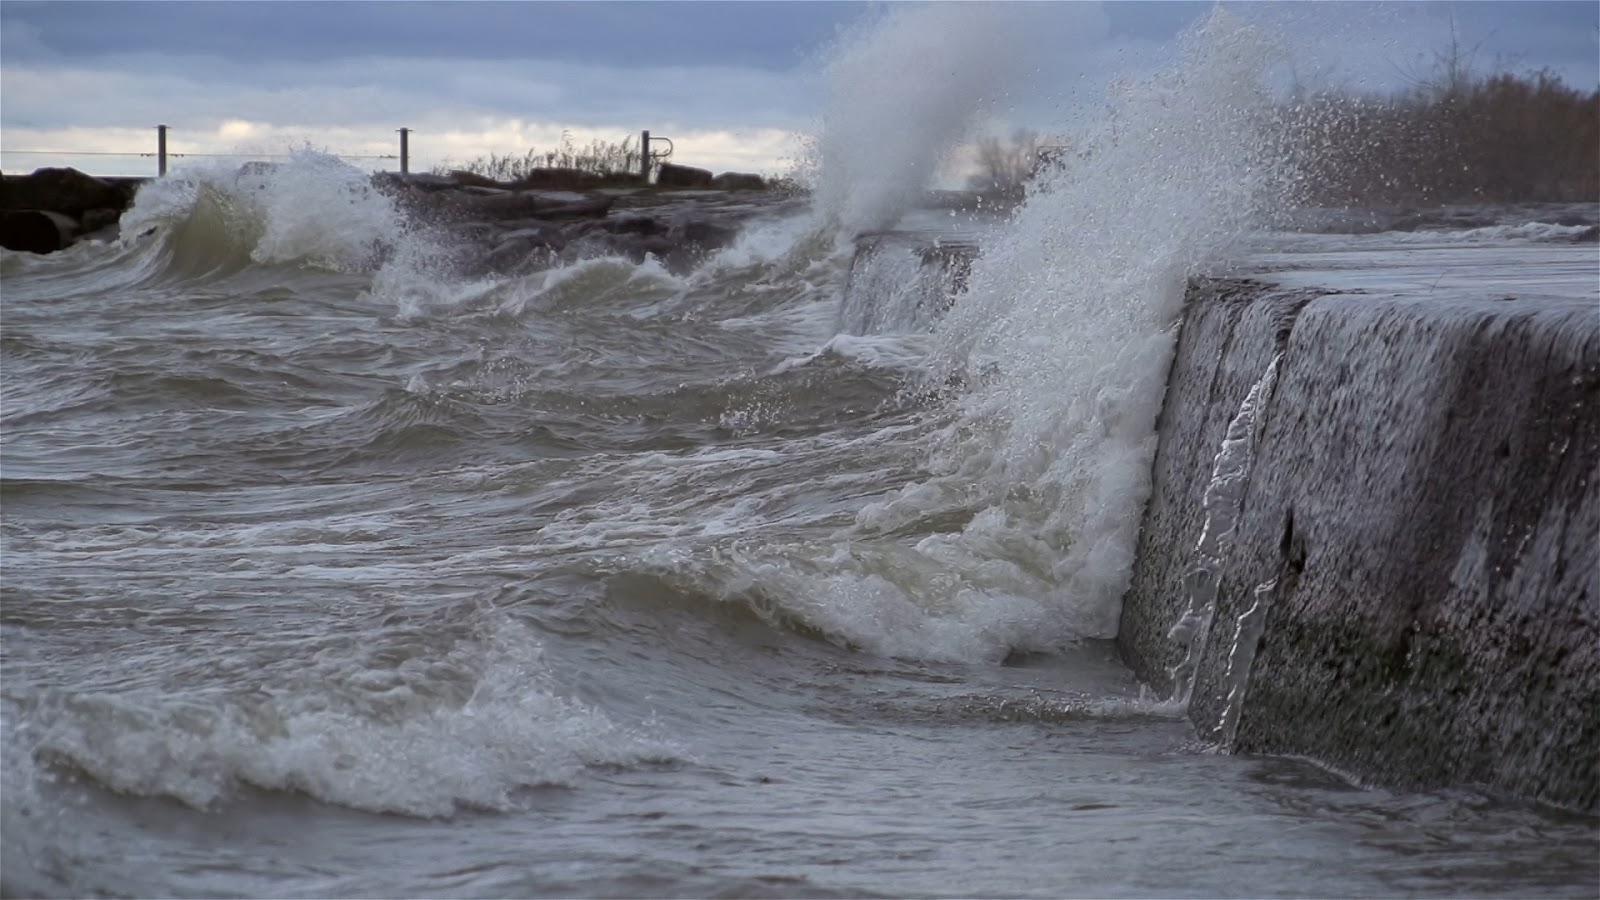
pixel 1401 577
pixel 1374 533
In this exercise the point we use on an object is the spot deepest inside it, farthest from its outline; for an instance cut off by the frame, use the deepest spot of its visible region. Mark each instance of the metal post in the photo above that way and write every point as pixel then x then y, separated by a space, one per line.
pixel 405 151
pixel 644 156
pixel 161 149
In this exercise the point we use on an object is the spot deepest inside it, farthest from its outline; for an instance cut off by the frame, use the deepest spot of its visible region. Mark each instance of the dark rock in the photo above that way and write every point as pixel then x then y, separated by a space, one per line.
pixel 505 205
pixel 675 176
pixel 703 235
pixel 623 180
pixel 501 205
pixel 679 246
pixel 480 233
pixel 524 251
pixel 662 248
pixel 422 181
pixel 594 208
pixel 738 181
pixel 472 179
pixel 66 191
pixel 96 219
pixel 547 235
pixel 36 230
pixel 125 188
pixel 640 225
pixel 557 178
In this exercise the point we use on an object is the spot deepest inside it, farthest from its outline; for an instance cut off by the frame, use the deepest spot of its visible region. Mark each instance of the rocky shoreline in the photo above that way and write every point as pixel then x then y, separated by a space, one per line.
pixel 52 209
pixel 548 217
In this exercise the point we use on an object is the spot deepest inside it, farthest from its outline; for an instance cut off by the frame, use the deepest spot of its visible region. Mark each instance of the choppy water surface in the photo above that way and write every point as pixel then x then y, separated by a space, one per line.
pixel 327 573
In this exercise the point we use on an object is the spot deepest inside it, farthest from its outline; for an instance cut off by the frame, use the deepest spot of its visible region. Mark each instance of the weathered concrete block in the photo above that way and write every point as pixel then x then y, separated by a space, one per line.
pixel 902 281
pixel 671 175
pixel 1231 331
pixel 738 181
pixel 1416 540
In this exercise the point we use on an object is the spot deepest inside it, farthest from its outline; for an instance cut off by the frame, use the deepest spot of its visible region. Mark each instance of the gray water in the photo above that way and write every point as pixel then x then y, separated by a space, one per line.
pixel 561 589
pixel 329 572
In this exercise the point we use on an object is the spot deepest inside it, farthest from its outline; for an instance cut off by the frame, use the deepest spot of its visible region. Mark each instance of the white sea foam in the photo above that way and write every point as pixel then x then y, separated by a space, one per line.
pixel 898 351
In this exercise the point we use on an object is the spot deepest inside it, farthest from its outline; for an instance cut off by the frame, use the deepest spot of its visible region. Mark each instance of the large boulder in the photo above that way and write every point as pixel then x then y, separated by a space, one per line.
pixel 701 235
pixel 65 191
pixel 673 176
pixel 644 226
pixel 420 181
pixel 36 230
pixel 591 208
pixel 738 181
pixel 464 178
pixel 525 250
pixel 558 178
pixel 519 205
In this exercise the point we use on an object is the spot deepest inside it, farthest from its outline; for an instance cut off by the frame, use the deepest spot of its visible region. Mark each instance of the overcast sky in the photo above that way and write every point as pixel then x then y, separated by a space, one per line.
pixel 731 83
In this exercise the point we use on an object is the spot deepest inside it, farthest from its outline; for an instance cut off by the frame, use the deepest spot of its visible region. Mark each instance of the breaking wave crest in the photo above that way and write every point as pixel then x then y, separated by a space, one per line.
pixel 420 731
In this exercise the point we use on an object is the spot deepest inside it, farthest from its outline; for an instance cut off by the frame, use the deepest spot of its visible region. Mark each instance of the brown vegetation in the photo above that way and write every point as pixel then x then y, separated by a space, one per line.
pixel 603 158
pixel 1454 136
pixel 1457 138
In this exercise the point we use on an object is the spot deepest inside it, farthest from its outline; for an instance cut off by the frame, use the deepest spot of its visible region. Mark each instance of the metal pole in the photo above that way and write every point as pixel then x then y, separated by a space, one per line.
pixel 644 156
pixel 161 149
pixel 405 151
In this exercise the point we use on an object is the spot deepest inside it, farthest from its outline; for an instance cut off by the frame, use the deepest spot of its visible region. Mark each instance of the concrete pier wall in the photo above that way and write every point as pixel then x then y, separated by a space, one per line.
pixel 1409 589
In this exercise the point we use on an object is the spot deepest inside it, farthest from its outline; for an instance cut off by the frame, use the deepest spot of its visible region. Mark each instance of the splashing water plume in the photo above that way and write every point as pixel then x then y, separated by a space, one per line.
pixel 900 95
pixel 1065 334
pixel 312 210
